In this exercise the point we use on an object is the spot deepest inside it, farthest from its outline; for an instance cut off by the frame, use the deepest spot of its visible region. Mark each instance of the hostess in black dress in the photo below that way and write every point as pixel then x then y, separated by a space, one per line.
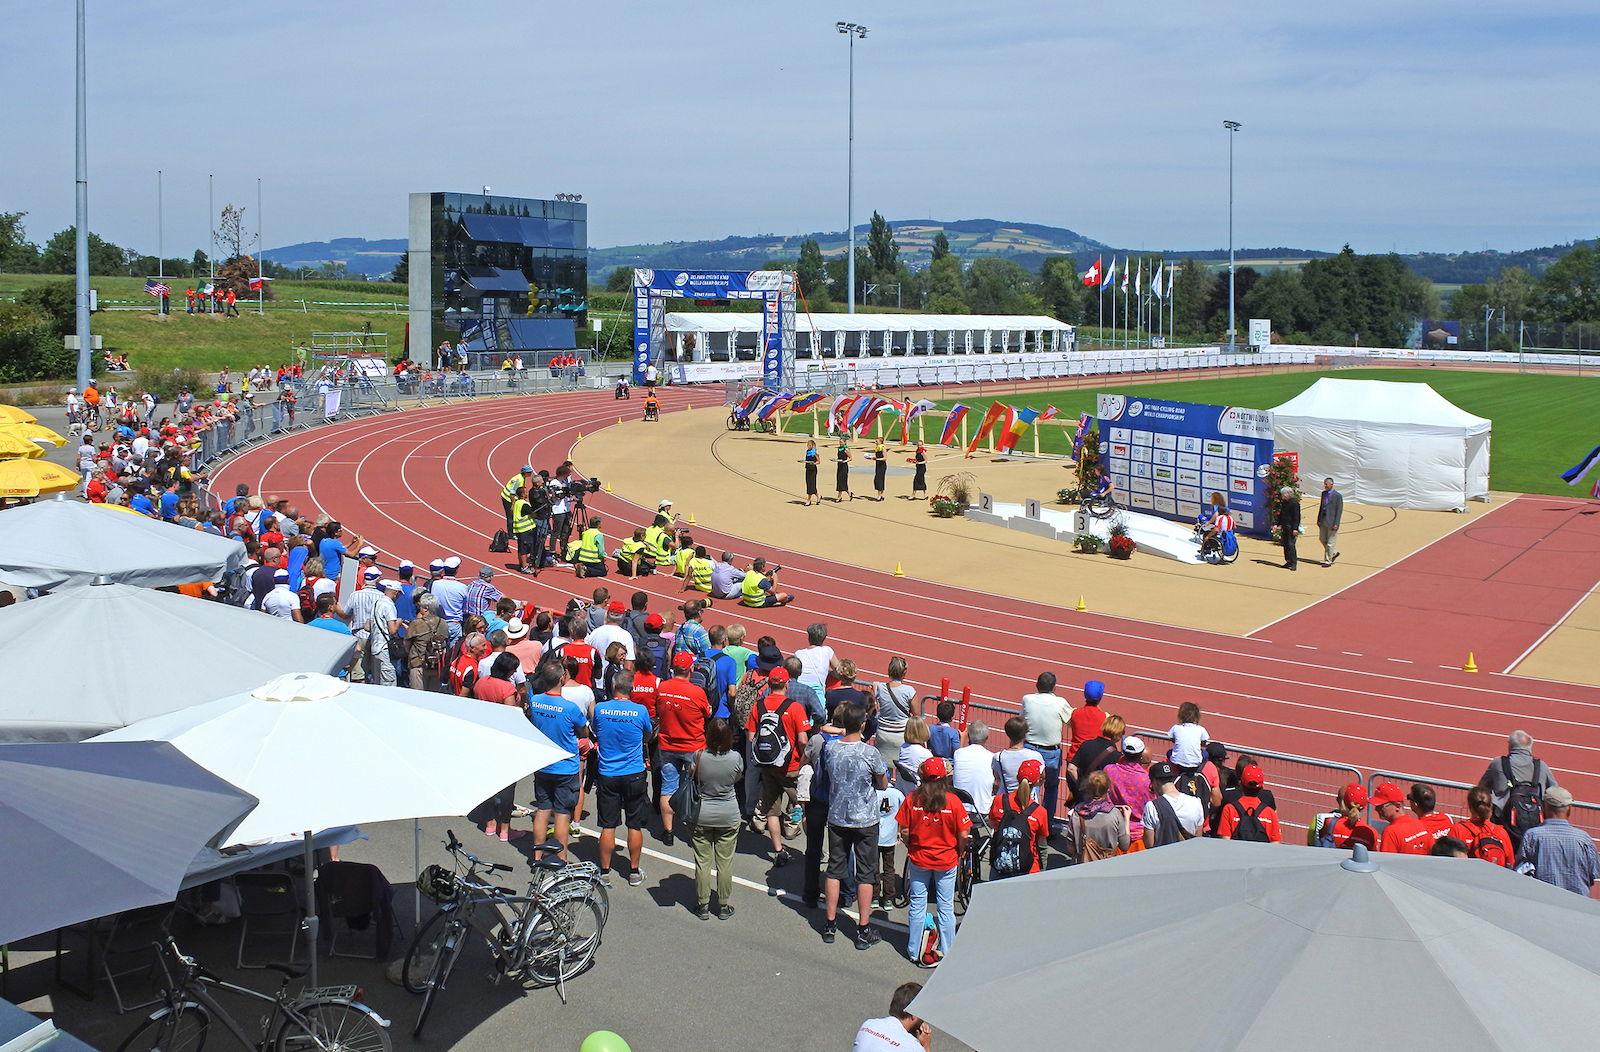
pixel 919 483
pixel 844 471
pixel 811 473
pixel 879 470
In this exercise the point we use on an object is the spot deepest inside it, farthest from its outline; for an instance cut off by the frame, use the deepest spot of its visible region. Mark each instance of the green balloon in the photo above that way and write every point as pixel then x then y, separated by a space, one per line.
pixel 604 1041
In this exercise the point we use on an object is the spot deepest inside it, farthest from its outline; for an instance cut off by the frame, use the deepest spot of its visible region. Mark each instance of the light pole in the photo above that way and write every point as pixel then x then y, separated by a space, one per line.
pixel 81 242
pixel 1232 127
pixel 852 31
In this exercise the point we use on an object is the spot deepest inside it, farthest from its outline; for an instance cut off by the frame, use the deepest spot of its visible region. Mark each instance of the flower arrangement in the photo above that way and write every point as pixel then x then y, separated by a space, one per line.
pixel 1070 495
pixel 1121 547
pixel 1280 473
pixel 944 507
pixel 1086 542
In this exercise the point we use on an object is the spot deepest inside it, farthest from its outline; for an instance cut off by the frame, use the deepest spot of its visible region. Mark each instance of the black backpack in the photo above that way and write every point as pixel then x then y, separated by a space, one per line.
pixel 658 650
pixel 500 542
pixel 1193 783
pixel 1011 849
pixel 1250 826
pixel 703 674
pixel 236 589
pixel 1524 802
pixel 771 745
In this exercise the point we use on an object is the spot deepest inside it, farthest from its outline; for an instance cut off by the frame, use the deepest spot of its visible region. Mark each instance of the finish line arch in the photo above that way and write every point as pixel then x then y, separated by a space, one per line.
pixel 776 289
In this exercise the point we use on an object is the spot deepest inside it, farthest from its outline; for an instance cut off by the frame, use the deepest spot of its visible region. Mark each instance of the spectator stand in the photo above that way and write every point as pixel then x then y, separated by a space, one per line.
pixel 352 373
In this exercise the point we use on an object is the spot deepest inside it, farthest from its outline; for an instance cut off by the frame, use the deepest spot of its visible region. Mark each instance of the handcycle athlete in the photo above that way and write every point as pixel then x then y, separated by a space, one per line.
pixel 1101 501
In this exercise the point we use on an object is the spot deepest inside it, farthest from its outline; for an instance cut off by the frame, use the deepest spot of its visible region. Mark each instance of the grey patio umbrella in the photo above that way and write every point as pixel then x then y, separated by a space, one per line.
pixel 59 542
pixel 90 659
pixel 1217 945
pixel 89 829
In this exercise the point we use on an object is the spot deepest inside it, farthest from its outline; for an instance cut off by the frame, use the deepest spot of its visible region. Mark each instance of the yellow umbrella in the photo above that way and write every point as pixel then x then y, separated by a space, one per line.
pixel 29 478
pixel 16 446
pixel 11 414
pixel 37 432
pixel 118 507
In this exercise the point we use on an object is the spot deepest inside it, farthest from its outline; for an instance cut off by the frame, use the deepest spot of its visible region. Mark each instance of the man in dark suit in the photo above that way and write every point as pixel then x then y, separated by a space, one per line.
pixel 1329 513
pixel 1289 526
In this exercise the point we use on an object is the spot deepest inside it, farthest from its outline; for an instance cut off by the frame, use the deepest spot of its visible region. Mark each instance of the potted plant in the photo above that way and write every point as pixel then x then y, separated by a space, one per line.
pixel 1280 473
pixel 958 491
pixel 1121 546
pixel 944 507
pixel 1087 543
pixel 1070 495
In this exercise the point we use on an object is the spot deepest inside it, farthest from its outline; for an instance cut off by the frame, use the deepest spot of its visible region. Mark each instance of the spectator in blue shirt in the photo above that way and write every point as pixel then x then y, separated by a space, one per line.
pixel 555 789
pixel 298 553
pixel 333 550
pixel 728 673
pixel 242 492
pixel 944 739
pixel 405 604
pixel 1558 852
pixel 142 504
pixel 623 730
pixel 691 633
pixel 169 501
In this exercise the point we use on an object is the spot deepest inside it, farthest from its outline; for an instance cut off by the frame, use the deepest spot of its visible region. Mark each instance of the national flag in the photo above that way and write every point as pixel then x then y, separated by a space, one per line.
pixel 910 413
pixel 1155 282
pixel 1138 279
pixel 256 283
pixel 864 412
pixel 1111 275
pixel 836 415
pixel 1573 475
pixel 1171 273
pixel 156 288
pixel 210 289
pixel 1050 413
pixel 952 425
pixel 1125 269
pixel 1085 422
pixel 1020 422
pixel 800 403
pixel 777 402
pixel 750 403
pixel 1092 279
pixel 998 417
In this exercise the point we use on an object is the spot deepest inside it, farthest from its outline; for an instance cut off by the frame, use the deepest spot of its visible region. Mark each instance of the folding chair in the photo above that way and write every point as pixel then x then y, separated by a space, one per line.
pixel 269 905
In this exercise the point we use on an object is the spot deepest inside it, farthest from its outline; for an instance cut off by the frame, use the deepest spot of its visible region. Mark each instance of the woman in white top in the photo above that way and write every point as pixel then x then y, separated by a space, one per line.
pixel 897 700
pixel 912 753
pixel 816 660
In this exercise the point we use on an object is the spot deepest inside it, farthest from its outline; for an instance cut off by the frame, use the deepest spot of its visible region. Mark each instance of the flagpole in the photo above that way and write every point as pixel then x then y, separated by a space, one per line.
pixel 261 289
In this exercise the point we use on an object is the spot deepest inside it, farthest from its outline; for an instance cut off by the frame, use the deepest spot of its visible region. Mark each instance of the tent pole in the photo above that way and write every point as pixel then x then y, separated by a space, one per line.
pixel 416 858
pixel 313 922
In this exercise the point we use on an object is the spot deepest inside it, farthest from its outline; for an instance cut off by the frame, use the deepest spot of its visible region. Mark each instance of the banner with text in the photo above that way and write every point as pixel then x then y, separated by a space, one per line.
pixel 1168 458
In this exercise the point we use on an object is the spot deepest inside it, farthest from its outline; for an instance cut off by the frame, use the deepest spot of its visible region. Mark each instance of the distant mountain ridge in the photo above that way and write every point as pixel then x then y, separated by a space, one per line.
pixel 373 258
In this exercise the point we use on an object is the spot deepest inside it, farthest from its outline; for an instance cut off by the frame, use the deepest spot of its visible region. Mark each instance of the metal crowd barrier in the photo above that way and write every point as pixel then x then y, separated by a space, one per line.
pixel 1452 798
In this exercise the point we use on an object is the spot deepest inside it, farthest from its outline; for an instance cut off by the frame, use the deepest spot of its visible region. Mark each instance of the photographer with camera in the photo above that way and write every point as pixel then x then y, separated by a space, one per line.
pixel 759 587
pixel 561 508
pixel 588 553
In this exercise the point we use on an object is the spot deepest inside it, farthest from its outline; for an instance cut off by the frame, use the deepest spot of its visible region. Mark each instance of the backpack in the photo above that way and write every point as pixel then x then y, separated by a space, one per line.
pixel 308 601
pixel 819 775
pixel 772 746
pixel 1230 543
pixel 500 542
pixel 438 643
pixel 1320 834
pixel 1250 826
pixel 658 650
pixel 703 674
pixel 236 585
pixel 751 690
pixel 1011 849
pixel 1524 802
pixel 1193 783
pixel 1089 849
pixel 1169 829
pixel 1490 848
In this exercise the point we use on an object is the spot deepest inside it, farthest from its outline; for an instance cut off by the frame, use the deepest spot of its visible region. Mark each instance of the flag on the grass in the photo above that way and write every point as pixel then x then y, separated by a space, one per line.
pixel 800 403
pixel 1155 282
pixel 836 415
pixel 1020 422
pixel 864 412
pixel 156 288
pixel 912 411
pixel 1574 474
pixel 998 417
pixel 774 404
pixel 952 424
pixel 1091 279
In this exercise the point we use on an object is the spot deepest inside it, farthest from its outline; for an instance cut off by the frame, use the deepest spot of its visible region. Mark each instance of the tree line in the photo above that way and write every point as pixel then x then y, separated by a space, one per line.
pixel 1568 293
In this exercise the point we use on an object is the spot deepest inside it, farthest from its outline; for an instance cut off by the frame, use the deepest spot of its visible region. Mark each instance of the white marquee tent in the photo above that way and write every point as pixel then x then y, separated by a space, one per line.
pixel 1398 445
pixel 864 335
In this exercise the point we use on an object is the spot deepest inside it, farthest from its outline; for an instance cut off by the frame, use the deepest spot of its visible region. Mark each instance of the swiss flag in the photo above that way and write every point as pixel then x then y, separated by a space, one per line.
pixel 1092 278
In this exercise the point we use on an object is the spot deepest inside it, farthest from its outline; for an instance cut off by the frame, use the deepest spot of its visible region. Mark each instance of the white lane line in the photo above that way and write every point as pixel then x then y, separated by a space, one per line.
pixel 1546 634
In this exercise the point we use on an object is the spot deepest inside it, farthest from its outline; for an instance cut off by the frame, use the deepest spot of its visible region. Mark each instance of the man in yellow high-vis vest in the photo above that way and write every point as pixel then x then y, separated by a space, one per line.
pixel 508 493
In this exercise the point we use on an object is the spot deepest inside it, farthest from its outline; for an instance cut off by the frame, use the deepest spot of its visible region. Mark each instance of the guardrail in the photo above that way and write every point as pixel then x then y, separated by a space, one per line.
pixel 1452 798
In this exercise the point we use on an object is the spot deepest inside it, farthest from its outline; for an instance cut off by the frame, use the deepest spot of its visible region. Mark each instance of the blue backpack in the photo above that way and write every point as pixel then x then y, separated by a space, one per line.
pixel 1230 544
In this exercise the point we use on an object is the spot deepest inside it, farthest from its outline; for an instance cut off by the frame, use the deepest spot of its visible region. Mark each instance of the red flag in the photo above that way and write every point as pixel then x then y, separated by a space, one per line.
pixel 1092 278
pixel 998 414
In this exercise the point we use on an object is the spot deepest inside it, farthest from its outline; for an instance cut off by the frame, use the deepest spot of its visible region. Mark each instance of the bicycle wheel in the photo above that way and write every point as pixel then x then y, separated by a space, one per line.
pixel 423 953
pixel 561 938
pixel 332 1026
pixel 181 1029
pixel 963 883
pixel 578 885
pixel 449 949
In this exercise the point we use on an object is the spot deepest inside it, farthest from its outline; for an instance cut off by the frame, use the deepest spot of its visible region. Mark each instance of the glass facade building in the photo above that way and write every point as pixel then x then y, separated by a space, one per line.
pixel 497 274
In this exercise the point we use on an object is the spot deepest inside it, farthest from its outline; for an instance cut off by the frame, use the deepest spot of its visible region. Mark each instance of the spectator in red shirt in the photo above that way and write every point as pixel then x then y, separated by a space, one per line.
pixel 464 671
pixel 1249 801
pixel 681 711
pixel 935 828
pixel 1029 774
pixel 1345 827
pixel 1422 800
pixel 779 779
pixel 1405 834
pixel 1484 839
pixel 645 682
pixel 1086 720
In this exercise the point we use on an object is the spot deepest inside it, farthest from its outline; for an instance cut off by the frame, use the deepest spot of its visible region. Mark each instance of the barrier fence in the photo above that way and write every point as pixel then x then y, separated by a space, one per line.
pixel 1303 786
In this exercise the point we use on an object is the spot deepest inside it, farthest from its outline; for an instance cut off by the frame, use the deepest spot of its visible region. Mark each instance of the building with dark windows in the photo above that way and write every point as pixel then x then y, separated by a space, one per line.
pixel 496 276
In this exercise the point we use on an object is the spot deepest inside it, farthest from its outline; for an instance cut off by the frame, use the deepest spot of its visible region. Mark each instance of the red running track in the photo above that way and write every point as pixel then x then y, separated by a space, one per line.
pixel 425 483
pixel 1493 589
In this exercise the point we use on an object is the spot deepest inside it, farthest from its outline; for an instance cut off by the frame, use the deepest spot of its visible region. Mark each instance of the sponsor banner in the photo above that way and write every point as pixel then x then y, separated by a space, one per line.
pixel 1170 457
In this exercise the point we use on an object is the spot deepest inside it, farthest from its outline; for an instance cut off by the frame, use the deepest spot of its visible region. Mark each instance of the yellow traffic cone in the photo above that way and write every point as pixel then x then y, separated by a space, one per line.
pixel 619 419
pixel 608 487
pixel 580 436
pixel 691 518
pixel 690 407
pixel 1083 608
pixel 1471 665
pixel 898 572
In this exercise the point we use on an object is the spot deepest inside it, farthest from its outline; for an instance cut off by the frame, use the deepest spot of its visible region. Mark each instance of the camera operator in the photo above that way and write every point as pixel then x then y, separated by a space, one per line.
pixel 561 508
pixel 538 495
pixel 760 586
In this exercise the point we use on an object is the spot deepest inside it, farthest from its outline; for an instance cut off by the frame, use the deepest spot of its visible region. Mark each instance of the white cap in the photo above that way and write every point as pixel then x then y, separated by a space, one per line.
pixel 368 552
pixel 407 564
pixel 1132 746
pixel 372 573
pixel 664 504
pixel 453 563
pixel 389 586
pixel 280 575
pixel 436 565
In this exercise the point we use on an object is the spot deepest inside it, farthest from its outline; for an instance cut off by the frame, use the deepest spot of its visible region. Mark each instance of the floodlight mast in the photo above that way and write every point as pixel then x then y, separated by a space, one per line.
pixel 852 31
pixel 1232 126
pixel 81 234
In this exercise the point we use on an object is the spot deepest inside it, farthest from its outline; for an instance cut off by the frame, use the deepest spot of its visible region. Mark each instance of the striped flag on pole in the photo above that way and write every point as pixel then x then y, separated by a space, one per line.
pixel 1574 475
pixel 952 425
pixel 156 288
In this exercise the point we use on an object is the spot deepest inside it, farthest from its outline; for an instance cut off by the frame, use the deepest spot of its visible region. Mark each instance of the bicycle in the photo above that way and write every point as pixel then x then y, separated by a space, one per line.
pixel 1101 506
pixel 549 935
pixel 324 1019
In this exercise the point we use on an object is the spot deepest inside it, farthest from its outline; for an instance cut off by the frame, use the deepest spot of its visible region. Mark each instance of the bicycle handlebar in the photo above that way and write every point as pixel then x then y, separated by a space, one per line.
pixel 455 847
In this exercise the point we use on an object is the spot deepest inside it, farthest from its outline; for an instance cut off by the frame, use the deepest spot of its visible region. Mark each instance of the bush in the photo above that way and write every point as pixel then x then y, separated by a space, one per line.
pixel 944 507
pixel 960 489
pixel 1069 495
pixel 166 385
pixel 30 345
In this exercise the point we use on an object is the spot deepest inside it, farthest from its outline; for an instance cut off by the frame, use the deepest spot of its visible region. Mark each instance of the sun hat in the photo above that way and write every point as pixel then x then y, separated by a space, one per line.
pixel 1132 746
pixel 516 631
pixel 1094 690
pixel 778 676
pixel 1387 793
pixel 453 563
pixel 683 659
pixel 769 657
pixel 654 623
pixel 1252 777
pixel 1355 794
pixel 486 572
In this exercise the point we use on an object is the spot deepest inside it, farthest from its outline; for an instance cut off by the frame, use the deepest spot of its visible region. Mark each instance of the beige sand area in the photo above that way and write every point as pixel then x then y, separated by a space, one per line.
pixel 1568 653
pixel 750 485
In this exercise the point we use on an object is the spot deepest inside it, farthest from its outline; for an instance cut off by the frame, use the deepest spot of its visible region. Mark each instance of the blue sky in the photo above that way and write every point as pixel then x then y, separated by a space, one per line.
pixel 1414 126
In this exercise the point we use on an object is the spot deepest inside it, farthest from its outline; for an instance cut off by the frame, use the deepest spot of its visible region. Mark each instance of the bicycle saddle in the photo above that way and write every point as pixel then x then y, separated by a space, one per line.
pixel 290 971
pixel 551 863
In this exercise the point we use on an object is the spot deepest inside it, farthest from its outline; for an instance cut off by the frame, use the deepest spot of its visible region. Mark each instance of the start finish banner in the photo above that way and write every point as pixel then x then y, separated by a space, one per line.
pixel 774 288
pixel 1168 458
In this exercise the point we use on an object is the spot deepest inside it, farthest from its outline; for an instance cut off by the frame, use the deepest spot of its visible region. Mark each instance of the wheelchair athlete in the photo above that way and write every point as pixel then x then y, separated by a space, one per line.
pixel 652 406
pixel 1101 500
pixel 1218 539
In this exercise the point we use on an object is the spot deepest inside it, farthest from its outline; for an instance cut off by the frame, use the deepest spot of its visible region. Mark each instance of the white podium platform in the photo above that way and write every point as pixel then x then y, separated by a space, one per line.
pixel 1154 536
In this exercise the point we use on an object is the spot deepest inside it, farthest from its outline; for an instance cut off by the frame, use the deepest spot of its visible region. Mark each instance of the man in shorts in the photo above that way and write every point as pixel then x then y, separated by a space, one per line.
pixel 555 789
pixel 778 779
pixel 622 731
pixel 855 772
